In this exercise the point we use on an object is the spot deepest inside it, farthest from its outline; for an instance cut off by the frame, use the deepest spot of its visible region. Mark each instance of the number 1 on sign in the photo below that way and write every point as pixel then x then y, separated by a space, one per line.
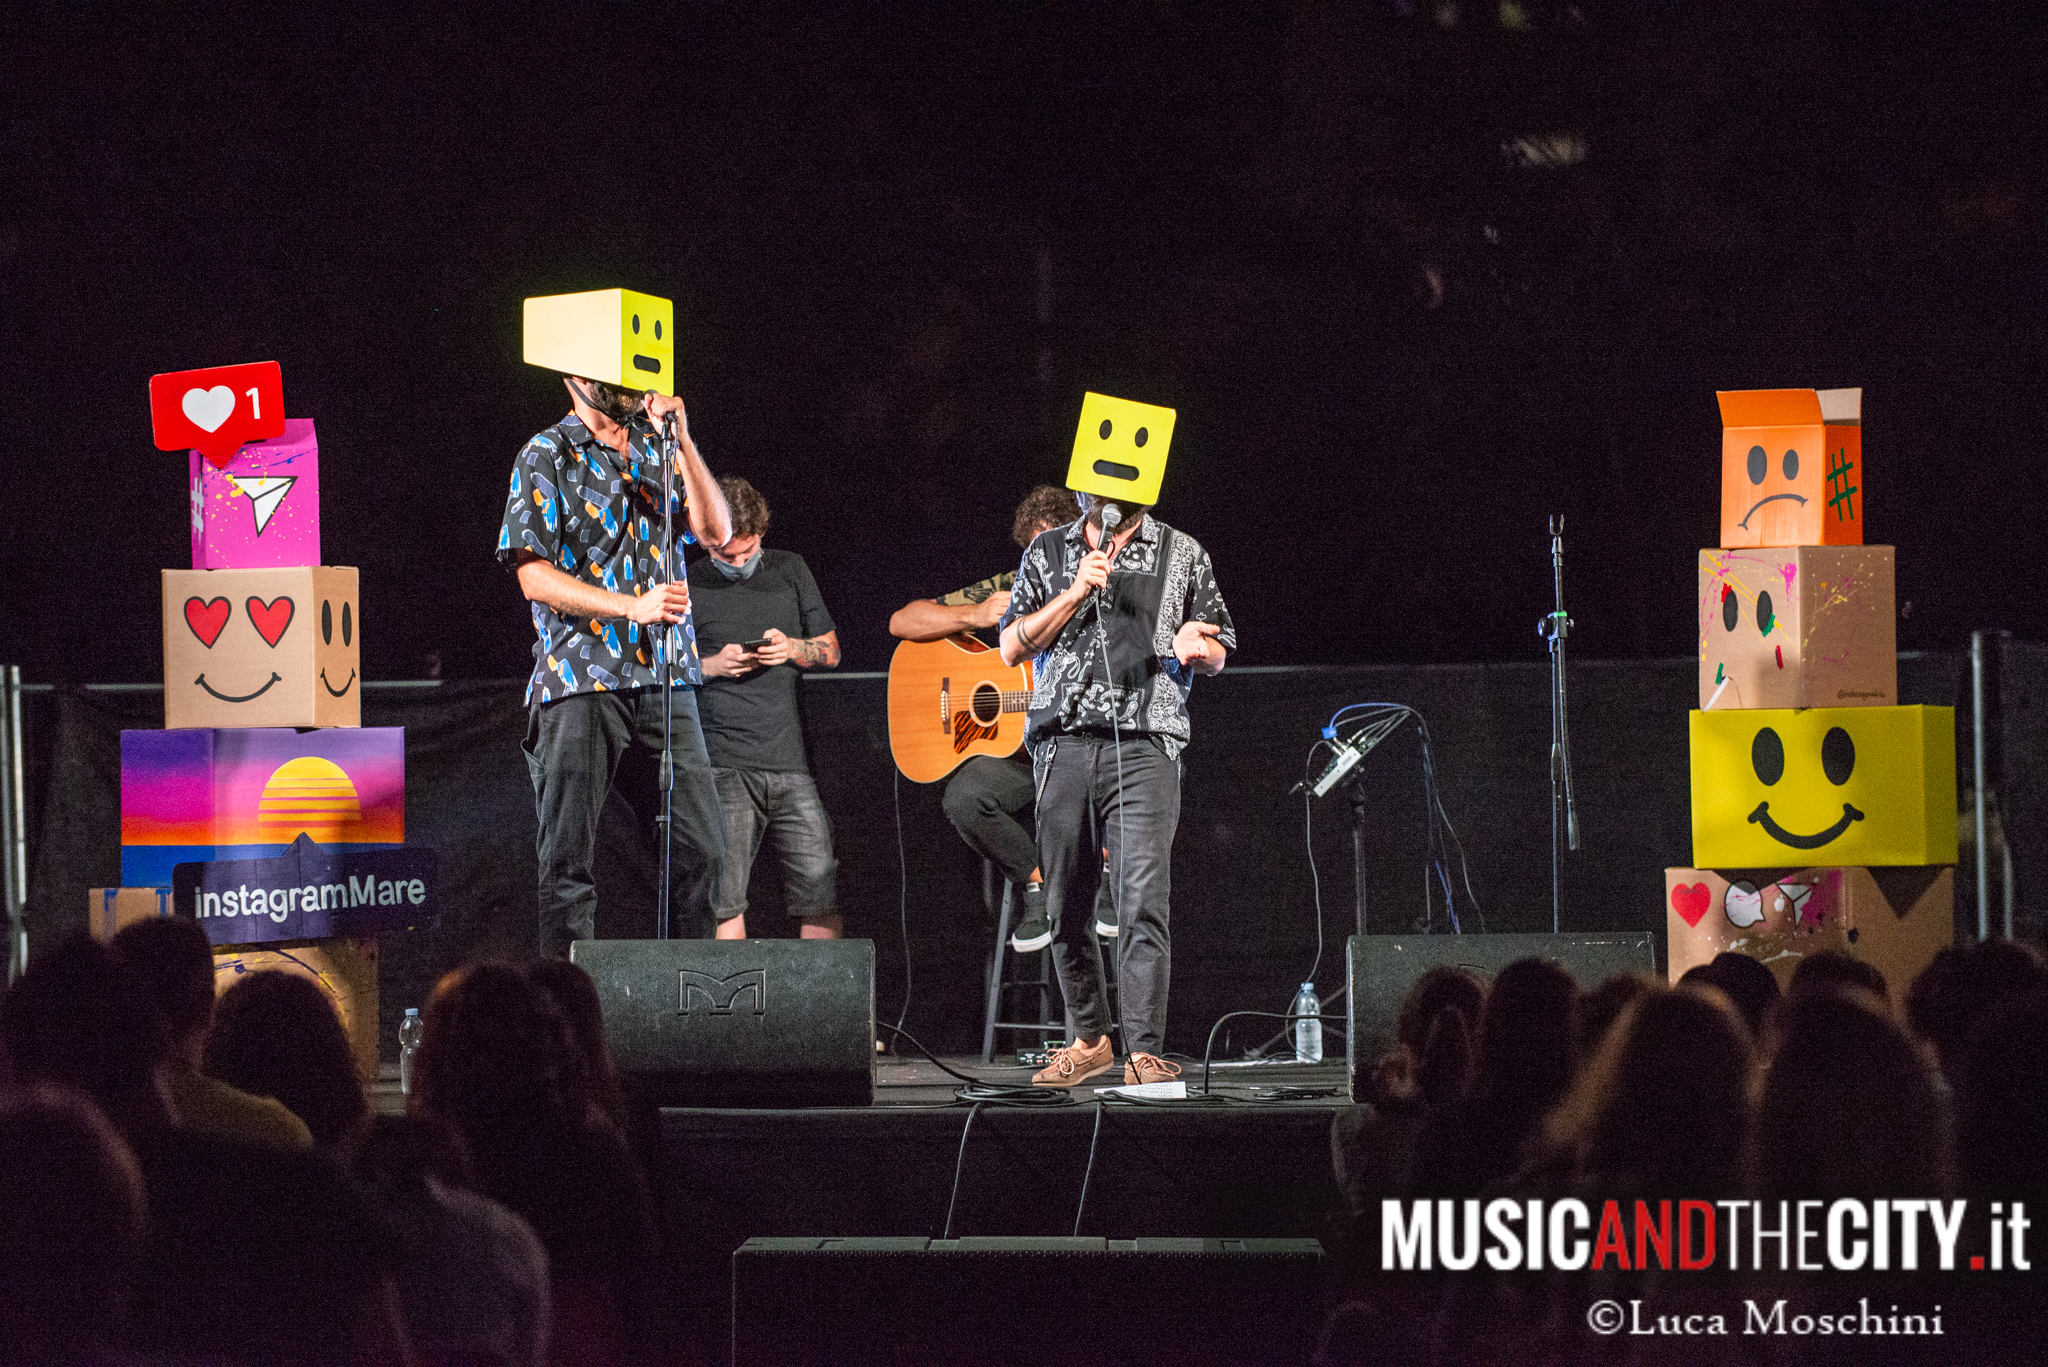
pixel 255 402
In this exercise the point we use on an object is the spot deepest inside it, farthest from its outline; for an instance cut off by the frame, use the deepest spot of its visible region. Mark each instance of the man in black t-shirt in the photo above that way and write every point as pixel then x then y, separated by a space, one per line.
pixel 760 619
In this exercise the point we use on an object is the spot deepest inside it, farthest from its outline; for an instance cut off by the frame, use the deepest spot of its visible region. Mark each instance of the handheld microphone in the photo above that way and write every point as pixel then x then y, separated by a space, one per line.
pixel 1112 518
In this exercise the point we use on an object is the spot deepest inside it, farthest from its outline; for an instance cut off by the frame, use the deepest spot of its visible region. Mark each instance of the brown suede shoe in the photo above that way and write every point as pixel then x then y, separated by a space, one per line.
pixel 1149 1068
pixel 1075 1064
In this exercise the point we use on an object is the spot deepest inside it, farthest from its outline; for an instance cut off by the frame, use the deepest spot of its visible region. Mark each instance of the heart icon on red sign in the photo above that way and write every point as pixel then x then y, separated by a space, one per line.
pixel 207 618
pixel 270 618
pixel 1690 901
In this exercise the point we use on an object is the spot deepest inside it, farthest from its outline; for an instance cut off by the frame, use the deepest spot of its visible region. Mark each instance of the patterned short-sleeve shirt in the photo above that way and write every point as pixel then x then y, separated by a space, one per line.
pixel 1161 580
pixel 594 513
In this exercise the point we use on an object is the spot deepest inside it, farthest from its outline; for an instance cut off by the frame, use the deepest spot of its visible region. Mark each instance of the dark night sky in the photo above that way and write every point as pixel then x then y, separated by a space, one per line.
pixel 903 240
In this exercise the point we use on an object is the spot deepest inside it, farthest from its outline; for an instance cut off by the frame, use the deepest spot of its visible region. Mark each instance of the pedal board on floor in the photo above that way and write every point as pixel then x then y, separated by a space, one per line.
pixel 1038 1058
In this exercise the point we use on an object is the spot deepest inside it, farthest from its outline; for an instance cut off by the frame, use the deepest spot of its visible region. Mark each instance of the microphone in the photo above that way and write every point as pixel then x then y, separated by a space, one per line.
pixel 1112 518
pixel 1343 761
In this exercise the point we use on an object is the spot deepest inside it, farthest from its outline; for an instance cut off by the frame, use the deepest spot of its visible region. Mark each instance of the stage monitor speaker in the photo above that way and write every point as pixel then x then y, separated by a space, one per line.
pixel 983 1300
pixel 739 1022
pixel 1379 970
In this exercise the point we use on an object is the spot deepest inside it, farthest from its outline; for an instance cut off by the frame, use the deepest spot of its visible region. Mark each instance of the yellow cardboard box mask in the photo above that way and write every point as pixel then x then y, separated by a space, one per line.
pixel 1120 449
pixel 1844 785
pixel 621 337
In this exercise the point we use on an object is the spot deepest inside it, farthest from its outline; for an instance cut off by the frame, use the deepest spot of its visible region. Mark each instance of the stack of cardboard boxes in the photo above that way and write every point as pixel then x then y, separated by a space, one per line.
pixel 263 749
pixel 1823 812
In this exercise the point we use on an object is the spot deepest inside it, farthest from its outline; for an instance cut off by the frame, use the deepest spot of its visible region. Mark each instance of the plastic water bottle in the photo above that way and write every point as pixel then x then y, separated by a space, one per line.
pixel 1308 1027
pixel 409 1044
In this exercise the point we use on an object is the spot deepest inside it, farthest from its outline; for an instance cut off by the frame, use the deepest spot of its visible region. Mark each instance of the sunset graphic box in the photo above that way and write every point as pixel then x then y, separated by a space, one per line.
pixel 201 793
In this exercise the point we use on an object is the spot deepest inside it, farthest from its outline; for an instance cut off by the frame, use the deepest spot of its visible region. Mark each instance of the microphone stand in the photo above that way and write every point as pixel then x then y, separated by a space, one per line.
pixel 665 657
pixel 1553 629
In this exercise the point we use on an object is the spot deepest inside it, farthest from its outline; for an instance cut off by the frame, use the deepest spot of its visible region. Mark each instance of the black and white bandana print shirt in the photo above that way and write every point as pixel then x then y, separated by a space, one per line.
pixel 1161 580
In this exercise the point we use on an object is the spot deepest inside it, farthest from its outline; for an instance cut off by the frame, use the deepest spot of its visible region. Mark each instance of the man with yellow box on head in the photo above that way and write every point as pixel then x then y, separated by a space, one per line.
pixel 611 607
pixel 1120 613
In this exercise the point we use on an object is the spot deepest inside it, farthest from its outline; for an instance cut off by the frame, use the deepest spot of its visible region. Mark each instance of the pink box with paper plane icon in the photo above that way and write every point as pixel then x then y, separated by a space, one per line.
pixel 262 509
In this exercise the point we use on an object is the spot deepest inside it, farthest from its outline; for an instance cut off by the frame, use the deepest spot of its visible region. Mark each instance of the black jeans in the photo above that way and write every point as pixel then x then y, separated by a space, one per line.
pixel 983 800
pixel 1093 792
pixel 576 750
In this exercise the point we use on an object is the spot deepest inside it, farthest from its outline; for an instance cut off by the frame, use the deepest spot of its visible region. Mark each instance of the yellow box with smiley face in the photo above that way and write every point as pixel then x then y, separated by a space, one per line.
pixel 621 337
pixel 1120 449
pixel 1828 785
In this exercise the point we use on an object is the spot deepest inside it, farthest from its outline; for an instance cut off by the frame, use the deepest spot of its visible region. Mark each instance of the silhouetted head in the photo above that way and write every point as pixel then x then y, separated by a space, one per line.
pixel 1664 1104
pixel 2001 1101
pixel 497 1061
pixel 1524 1057
pixel 1849 1107
pixel 72 1219
pixel 1598 1010
pixel 169 960
pixel 278 1034
pixel 1831 969
pixel 1746 983
pixel 1952 993
pixel 73 1019
pixel 575 995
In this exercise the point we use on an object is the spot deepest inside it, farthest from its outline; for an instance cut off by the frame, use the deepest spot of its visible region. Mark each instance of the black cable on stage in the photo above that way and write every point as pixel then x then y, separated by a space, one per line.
pixel 1089 1172
pixel 959 1163
pixel 1209 1048
pixel 902 897
pixel 989 1093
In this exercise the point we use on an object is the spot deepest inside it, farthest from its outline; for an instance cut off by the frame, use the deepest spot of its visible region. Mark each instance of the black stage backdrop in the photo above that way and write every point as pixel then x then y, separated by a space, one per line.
pixel 1244 900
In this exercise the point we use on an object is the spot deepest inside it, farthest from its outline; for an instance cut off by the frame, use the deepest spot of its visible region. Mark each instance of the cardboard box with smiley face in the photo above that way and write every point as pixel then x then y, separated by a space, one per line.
pixel 1851 785
pixel 262 508
pixel 1798 626
pixel 1895 919
pixel 1791 467
pixel 1120 450
pixel 621 337
pixel 270 647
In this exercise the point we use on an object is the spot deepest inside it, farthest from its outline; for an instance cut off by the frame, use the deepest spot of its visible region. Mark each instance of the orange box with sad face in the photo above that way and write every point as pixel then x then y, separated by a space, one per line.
pixel 1791 467
pixel 268 647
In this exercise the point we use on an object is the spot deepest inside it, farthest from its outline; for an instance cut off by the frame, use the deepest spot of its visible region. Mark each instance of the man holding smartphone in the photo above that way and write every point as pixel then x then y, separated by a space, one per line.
pixel 759 619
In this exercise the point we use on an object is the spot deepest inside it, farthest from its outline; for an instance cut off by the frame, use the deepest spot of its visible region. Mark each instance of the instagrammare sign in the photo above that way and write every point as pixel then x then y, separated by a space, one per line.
pixel 309 893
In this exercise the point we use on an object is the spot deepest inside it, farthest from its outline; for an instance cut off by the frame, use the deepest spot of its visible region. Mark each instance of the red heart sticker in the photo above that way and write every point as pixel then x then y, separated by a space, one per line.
pixel 270 618
pixel 1690 900
pixel 207 618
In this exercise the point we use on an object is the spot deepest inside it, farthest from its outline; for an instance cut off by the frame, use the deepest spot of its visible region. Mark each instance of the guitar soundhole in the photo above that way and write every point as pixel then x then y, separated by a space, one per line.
pixel 987 704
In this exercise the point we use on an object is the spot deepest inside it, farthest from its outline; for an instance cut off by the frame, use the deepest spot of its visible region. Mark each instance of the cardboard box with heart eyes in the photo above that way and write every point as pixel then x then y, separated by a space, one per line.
pixel 265 647
pixel 1895 920
pixel 260 509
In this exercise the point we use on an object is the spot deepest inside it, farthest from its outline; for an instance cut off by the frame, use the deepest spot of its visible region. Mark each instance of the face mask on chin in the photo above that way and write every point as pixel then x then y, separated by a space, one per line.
pixel 742 571
pixel 620 405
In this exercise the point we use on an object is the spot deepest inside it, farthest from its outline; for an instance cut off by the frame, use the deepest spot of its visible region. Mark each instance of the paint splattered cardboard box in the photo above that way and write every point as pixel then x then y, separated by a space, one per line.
pixel 1798 626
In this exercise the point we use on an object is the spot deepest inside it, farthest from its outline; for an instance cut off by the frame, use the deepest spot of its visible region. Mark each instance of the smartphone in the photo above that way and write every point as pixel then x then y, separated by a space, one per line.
pixel 754 645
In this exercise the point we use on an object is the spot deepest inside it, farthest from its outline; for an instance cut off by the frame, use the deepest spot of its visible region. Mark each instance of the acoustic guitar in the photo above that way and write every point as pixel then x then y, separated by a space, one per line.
pixel 950 700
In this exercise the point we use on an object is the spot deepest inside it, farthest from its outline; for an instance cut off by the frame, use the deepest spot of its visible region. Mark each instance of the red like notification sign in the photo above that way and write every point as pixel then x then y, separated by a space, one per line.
pixel 217 410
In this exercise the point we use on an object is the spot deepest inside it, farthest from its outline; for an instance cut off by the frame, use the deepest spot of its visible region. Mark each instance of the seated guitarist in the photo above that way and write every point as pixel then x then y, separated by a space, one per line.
pixel 985 795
